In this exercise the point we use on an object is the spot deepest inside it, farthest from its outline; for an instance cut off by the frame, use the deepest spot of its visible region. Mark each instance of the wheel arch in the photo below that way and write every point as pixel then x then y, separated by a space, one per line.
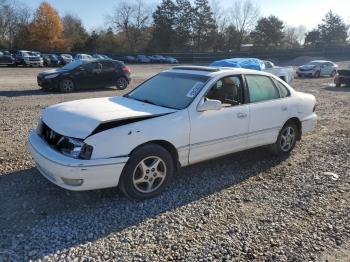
pixel 297 122
pixel 167 146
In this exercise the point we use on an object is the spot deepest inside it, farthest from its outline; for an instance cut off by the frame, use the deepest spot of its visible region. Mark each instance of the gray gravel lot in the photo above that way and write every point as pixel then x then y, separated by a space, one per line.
pixel 245 206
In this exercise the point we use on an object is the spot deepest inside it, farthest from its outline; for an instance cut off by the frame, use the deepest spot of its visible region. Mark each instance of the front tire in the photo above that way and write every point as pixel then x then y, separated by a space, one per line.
pixel 67 85
pixel 317 74
pixel 147 173
pixel 122 83
pixel 286 140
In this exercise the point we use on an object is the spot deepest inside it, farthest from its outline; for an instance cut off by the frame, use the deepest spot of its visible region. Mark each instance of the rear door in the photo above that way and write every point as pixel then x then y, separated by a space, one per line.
pixel 268 111
pixel 85 75
pixel 107 73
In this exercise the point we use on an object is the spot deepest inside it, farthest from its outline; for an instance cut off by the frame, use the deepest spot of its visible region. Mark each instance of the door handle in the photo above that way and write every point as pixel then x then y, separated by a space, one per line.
pixel 284 108
pixel 241 115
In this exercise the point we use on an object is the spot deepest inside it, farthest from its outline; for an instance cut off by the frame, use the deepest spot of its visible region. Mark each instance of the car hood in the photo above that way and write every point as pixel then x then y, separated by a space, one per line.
pixel 80 118
pixel 52 71
pixel 307 67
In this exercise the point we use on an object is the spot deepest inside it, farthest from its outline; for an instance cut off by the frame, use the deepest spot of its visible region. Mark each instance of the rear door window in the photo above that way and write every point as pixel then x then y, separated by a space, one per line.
pixel 107 66
pixel 261 88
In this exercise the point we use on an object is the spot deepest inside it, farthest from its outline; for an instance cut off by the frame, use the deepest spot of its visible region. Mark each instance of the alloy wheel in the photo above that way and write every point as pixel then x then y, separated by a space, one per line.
pixel 68 85
pixel 149 174
pixel 287 138
pixel 122 83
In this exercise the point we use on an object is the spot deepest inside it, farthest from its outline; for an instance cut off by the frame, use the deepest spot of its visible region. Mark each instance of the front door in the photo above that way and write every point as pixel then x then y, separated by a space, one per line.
pixel 219 132
pixel 86 76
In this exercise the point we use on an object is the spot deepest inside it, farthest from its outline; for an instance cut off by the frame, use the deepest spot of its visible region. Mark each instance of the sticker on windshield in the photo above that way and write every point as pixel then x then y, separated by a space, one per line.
pixel 194 90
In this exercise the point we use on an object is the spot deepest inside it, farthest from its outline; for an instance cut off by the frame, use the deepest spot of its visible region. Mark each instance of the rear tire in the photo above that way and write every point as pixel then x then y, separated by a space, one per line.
pixel 67 85
pixel 147 173
pixel 286 140
pixel 122 83
pixel 333 73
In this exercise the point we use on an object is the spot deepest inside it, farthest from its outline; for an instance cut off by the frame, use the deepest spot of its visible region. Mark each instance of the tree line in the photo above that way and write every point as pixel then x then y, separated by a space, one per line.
pixel 171 26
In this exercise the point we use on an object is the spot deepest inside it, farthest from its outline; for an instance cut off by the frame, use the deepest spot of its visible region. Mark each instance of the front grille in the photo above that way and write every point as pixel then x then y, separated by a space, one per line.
pixel 304 69
pixel 34 59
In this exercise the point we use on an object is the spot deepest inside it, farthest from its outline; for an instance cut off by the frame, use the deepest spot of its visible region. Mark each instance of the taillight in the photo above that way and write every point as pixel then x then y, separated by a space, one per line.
pixel 126 69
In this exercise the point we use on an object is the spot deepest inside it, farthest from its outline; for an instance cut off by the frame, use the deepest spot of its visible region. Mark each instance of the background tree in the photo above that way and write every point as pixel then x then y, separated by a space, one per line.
pixel 333 30
pixel 74 32
pixel 46 29
pixel 204 27
pixel 291 37
pixel 183 25
pixel 268 32
pixel 312 38
pixel 244 16
pixel 164 26
pixel 14 19
pixel 130 20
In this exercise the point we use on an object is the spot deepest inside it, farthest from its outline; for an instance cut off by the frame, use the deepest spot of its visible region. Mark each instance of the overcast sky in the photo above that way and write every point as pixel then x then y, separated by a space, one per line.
pixel 297 12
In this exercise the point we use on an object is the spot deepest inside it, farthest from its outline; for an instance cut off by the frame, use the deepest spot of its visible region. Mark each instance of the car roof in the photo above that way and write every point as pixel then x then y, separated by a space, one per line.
pixel 320 61
pixel 211 71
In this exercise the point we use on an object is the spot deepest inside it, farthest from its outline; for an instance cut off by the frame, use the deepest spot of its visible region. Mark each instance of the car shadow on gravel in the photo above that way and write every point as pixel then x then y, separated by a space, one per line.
pixel 337 89
pixel 35 214
pixel 39 92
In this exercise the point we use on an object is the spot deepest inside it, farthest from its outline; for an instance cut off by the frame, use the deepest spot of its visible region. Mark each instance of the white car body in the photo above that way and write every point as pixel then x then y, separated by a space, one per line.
pixel 318 68
pixel 285 73
pixel 115 126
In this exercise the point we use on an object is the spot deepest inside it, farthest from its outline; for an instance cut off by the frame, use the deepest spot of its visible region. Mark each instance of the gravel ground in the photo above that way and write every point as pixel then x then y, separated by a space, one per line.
pixel 245 206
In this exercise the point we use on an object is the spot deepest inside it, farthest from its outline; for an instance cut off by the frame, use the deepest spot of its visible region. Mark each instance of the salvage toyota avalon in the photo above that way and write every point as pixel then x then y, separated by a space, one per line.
pixel 177 118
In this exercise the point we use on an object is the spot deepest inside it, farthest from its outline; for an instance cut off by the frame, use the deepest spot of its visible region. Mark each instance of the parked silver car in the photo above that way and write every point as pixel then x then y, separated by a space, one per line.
pixel 318 68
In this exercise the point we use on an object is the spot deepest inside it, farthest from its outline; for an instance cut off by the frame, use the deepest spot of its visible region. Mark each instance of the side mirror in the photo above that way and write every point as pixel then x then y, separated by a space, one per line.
pixel 209 104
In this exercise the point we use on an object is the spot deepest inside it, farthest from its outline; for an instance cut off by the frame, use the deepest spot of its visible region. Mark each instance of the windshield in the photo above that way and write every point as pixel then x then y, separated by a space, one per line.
pixel 168 89
pixel 54 57
pixel 72 65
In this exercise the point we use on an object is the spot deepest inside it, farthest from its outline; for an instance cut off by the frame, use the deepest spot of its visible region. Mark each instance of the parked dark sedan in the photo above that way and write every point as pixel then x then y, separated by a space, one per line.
pixel 129 59
pixel 6 58
pixel 342 77
pixel 82 74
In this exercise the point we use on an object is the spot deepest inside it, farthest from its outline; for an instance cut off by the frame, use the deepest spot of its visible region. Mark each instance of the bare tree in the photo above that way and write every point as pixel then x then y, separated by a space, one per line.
pixel 244 15
pixel 13 17
pixel 130 18
pixel 219 14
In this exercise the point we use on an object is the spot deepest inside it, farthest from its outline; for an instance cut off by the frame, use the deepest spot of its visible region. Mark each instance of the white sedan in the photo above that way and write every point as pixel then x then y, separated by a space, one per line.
pixel 318 68
pixel 177 118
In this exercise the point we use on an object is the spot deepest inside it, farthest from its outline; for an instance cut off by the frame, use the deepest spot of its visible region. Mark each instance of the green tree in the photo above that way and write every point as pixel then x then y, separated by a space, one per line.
pixel 268 32
pixel 183 25
pixel 204 26
pixel 333 30
pixel 74 32
pixel 312 38
pixel 163 26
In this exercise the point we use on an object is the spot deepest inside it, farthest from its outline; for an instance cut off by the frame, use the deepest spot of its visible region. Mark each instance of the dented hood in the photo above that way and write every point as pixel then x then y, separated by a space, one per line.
pixel 81 117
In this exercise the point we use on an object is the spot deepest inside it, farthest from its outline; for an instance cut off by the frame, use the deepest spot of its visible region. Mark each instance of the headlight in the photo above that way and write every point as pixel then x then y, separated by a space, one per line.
pixel 51 76
pixel 75 148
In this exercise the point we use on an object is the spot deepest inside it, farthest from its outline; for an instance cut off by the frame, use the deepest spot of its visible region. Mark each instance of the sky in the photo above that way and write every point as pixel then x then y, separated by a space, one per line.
pixel 293 12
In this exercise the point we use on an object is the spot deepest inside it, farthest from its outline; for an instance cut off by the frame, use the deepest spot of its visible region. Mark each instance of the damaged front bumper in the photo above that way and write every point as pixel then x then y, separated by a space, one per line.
pixel 74 174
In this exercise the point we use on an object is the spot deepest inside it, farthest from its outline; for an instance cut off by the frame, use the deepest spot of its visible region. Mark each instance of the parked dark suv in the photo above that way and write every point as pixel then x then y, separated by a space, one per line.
pixel 27 58
pixel 6 58
pixel 82 74
pixel 50 60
